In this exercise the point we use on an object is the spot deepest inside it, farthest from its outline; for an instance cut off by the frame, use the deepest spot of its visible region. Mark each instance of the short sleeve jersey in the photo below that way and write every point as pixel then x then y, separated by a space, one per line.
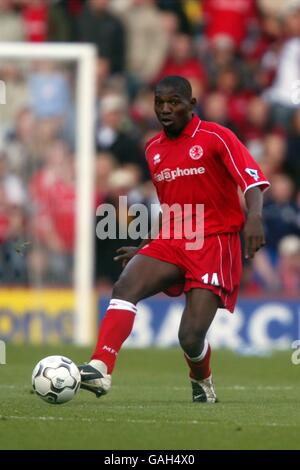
pixel 205 165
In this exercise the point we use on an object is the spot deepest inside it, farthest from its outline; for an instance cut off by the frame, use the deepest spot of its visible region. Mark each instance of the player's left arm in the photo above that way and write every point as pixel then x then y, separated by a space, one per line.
pixel 249 177
pixel 254 230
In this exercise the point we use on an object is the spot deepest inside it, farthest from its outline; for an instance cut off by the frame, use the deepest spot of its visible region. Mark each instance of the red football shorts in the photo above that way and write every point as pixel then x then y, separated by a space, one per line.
pixel 217 266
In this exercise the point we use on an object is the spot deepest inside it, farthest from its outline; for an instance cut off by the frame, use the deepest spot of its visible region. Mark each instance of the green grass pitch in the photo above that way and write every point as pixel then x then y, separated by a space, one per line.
pixel 149 406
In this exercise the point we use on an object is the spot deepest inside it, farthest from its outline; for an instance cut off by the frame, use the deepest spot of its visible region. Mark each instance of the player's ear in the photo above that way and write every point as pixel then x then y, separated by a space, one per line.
pixel 193 102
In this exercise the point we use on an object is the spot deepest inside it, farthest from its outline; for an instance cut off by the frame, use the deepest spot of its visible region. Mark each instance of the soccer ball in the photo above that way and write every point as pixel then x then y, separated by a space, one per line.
pixel 56 379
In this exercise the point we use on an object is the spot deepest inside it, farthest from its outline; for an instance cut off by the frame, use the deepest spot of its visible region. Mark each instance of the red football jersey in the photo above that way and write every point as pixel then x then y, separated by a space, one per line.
pixel 229 17
pixel 204 165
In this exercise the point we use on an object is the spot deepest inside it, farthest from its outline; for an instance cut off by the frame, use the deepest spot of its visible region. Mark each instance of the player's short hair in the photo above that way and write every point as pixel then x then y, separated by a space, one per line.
pixel 180 84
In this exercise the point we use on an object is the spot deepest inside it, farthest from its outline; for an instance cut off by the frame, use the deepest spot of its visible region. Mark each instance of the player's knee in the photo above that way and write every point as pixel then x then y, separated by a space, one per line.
pixel 125 291
pixel 191 342
pixel 121 290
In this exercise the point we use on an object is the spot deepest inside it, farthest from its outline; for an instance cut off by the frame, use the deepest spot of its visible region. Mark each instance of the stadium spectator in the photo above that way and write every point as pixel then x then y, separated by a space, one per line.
pixel 229 19
pixel 229 83
pixel 52 194
pixel 147 42
pixel 268 37
pixel 255 126
pixel 194 13
pixel 44 21
pixel 289 266
pixel 178 9
pixel 21 144
pixel 35 18
pixel 51 98
pixel 53 199
pixel 16 92
pixel 274 153
pixel 142 109
pixel 49 91
pixel 120 182
pixel 111 134
pixel 182 61
pixel 283 94
pixel 38 267
pixel 13 262
pixel 221 54
pixel 11 25
pixel 12 185
pixel 292 163
pixel 13 221
pixel 169 23
pixel 105 165
pixel 273 7
pixel 281 214
pixel 48 131
pixel 99 26
pixel 215 109
pixel 120 6
pixel 4 216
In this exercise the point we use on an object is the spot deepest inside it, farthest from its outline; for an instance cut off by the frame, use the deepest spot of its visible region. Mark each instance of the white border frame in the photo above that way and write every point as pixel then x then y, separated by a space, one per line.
pixel 85 56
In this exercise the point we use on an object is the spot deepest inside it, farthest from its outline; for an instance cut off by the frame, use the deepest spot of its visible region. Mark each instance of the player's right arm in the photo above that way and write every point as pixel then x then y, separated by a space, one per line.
pixel 125 253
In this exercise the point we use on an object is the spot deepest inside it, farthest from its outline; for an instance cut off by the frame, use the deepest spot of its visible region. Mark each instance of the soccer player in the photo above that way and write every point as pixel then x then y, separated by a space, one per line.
pixel 192 163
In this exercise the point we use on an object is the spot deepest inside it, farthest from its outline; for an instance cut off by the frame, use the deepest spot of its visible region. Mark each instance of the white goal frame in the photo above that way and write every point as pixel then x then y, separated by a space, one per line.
pixel 85 57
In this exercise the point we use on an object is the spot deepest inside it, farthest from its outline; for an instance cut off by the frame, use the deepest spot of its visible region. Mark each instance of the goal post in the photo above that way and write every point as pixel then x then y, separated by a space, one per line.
pixel 85 57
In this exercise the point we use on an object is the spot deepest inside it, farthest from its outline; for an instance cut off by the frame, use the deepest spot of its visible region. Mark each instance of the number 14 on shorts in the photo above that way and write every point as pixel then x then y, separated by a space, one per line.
pixel 211 279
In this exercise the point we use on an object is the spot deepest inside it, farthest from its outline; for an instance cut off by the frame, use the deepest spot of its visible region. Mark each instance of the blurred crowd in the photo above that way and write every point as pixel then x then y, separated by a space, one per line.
pixel 242 58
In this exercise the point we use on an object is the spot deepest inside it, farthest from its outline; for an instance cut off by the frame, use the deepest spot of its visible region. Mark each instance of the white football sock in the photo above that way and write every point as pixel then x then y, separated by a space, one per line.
pixel 202 355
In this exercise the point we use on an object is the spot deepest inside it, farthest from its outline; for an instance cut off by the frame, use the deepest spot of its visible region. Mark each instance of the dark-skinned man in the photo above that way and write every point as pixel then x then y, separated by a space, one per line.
pixel 196 167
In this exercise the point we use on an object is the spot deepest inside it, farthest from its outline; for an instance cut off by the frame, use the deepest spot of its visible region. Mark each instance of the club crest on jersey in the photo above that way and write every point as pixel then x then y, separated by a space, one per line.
pixel 196 152
pixel 253 173
pixel 156 159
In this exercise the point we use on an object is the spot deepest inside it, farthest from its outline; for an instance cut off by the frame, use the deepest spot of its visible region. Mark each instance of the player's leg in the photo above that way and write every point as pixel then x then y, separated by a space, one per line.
pixel 200 309
pixel 143 277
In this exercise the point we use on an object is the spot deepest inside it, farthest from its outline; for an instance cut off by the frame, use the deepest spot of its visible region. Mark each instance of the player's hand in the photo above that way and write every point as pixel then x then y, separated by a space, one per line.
pixel 125 253
pixel 254 235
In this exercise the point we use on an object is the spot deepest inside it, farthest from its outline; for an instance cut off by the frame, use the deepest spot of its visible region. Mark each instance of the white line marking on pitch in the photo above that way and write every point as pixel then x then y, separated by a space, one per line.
pixel 139 421
pixel 11 387
pixel 222 387
pixel 43 418
pixel 256 387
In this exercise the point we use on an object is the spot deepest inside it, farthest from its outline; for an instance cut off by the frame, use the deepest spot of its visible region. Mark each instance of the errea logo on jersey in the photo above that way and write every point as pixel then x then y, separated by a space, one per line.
pixel 171 175
pixel 156 158
pixel 253 173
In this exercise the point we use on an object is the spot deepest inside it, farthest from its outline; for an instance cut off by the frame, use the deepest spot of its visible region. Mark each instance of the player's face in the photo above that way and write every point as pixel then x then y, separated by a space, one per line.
pixel 172 109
